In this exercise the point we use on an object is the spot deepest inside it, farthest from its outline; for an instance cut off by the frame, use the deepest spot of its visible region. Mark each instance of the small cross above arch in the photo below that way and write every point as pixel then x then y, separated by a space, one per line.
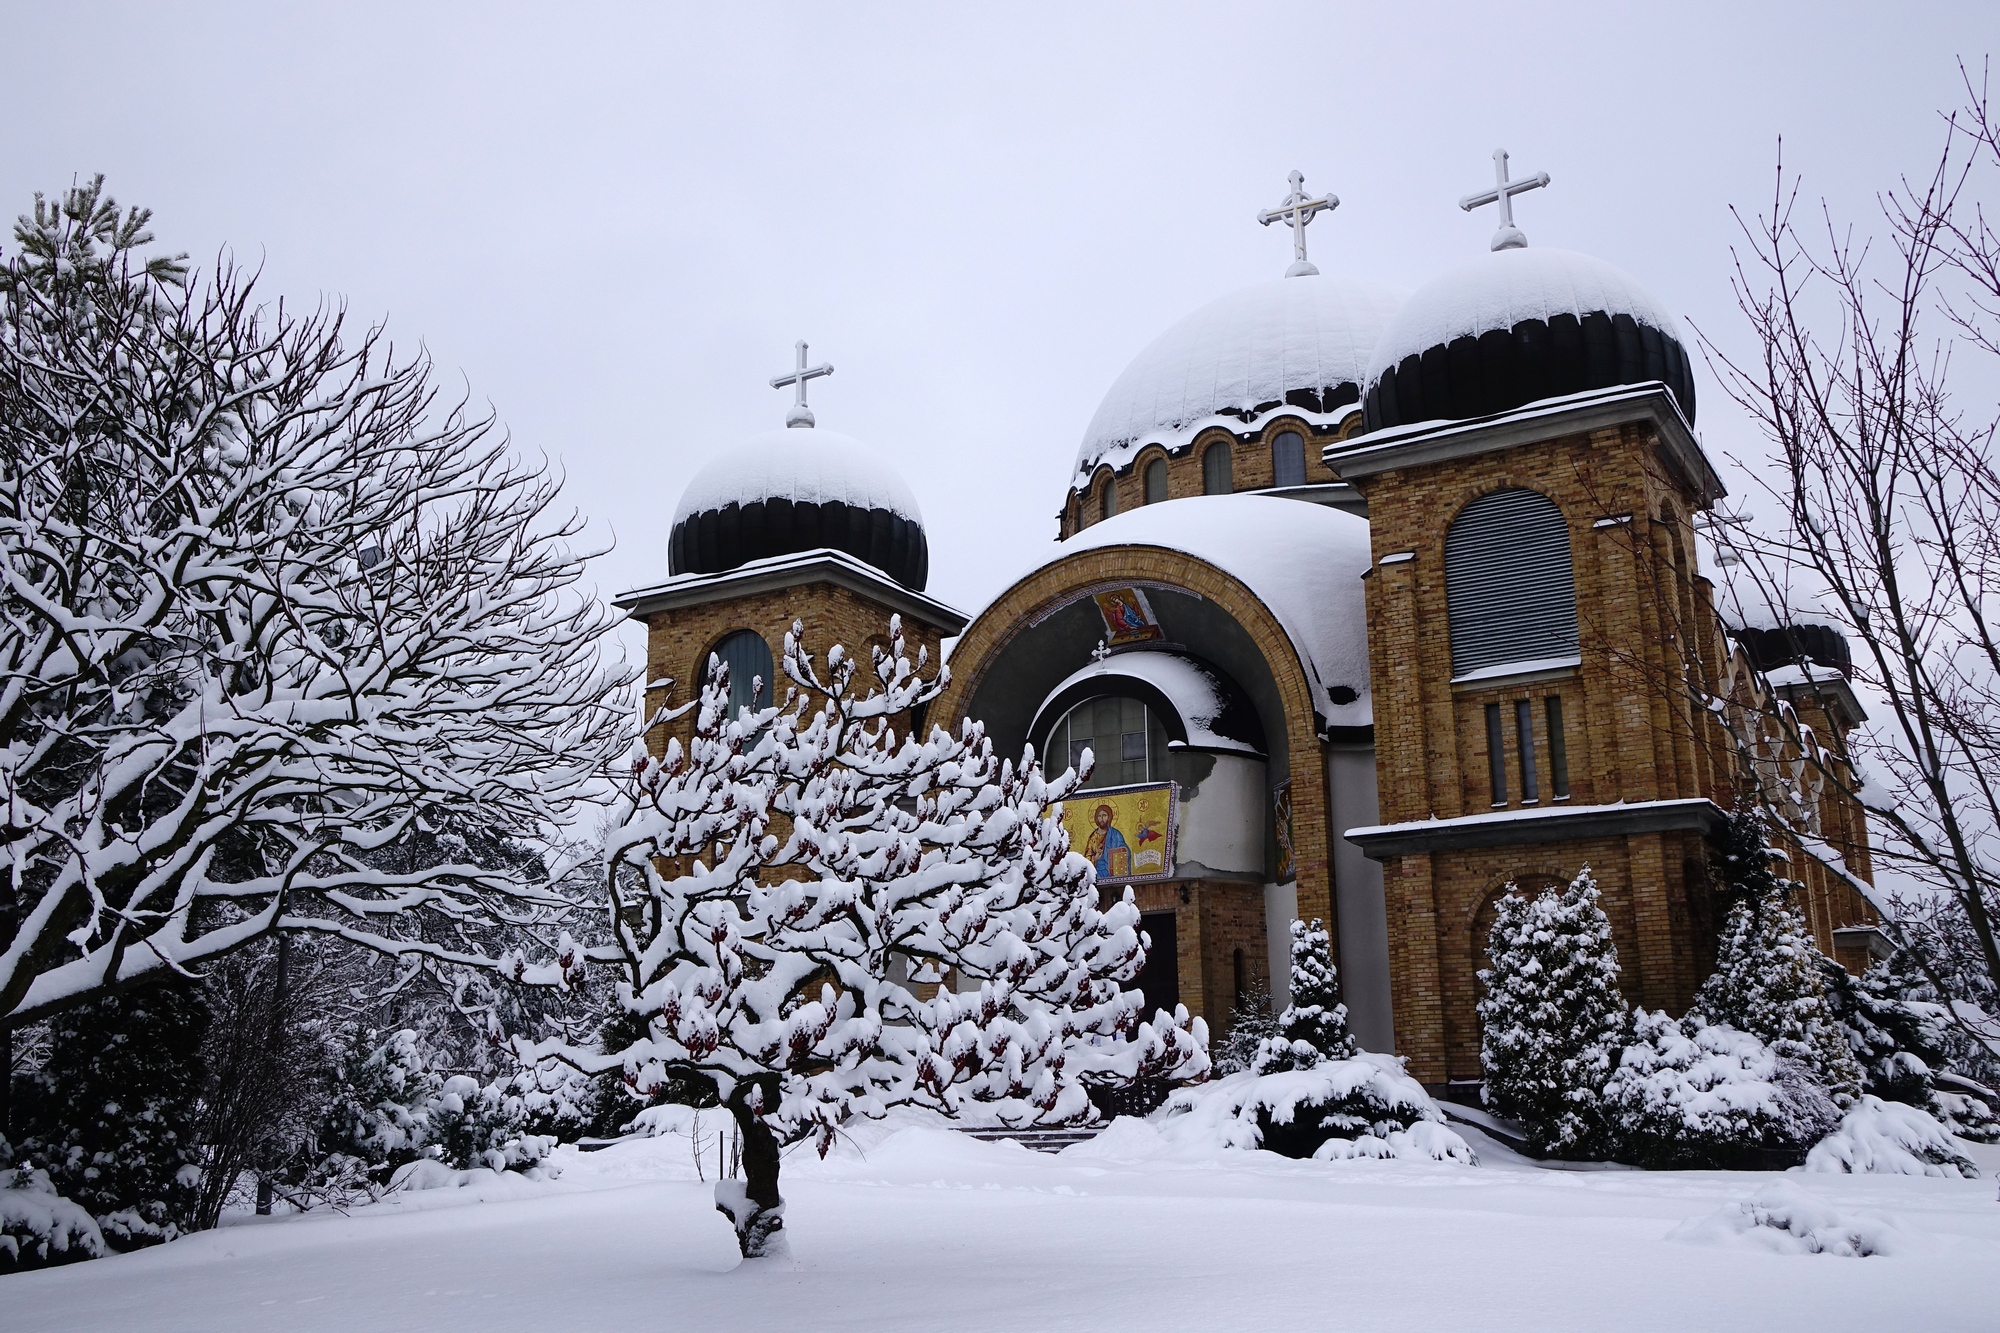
pixel 1507 236
pixel 801 415
pixel 1298 209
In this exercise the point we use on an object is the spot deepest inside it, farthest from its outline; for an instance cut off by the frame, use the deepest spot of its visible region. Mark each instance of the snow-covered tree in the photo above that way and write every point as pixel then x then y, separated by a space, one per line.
pixel 267 606
pixel 1313 1027
pixel 1552 1017
pixel 775 884
pixel 1768 979
pixel 113 1117
pixel 1694 1094
pixel 1251 1021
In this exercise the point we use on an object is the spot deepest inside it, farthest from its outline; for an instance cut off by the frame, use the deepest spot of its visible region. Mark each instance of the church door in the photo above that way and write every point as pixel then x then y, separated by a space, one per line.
pixel 1160 979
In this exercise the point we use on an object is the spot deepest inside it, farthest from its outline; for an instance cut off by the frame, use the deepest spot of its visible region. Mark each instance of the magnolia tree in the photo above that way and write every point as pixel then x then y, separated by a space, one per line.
pixel 778 884
pixel 267 607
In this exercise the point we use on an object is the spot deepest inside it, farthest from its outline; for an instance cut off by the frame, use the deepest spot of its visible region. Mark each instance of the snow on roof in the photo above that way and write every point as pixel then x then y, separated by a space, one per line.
pixel 1237 353
pixel 1193 690
pixel 1303 561
pixel 1503 287
pixel 799 463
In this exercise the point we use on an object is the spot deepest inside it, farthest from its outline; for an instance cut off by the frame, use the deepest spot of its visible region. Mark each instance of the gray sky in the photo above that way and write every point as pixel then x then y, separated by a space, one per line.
pixel 614 221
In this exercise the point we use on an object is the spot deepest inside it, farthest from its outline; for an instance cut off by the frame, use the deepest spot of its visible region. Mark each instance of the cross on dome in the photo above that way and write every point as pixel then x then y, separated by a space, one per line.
pixel 1507 236
pixel 1298 209
pixel 801 415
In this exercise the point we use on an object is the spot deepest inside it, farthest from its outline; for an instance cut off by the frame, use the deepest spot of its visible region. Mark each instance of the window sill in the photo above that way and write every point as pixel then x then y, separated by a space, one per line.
pixel 1516 673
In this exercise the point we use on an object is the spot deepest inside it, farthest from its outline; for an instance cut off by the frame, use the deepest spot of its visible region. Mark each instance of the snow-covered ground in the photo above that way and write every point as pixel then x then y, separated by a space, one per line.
pixel 919 1228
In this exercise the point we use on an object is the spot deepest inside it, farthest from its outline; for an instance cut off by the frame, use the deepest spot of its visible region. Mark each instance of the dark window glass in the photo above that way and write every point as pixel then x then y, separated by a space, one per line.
pixel 1129 742
pixel 1288 459
pixel 1216 476
pixel 1156 481
pixel 1558 749
pixel 1496 753
pixel 1108 502
pixel 748 658
pixel 1524 728
pixel 1509 587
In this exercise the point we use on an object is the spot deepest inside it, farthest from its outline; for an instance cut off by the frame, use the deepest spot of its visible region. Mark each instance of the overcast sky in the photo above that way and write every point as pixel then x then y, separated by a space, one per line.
pixel 613 221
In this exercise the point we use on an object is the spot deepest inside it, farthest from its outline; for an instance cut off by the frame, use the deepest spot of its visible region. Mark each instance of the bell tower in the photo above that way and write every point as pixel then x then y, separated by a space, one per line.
pixel 798 524
pixel 1534 625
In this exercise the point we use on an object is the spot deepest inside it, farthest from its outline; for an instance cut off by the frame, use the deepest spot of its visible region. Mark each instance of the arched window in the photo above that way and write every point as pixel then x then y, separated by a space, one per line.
pixel 1216 477
pixel 1288 459
pixel 1509 583
pixel 748 658
pixel 1156 481
pixel 1129 741
pixel 1107 501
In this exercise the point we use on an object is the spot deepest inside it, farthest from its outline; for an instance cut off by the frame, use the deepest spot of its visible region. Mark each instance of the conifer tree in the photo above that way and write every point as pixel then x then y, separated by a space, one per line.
pixel 1552 1016
pixel 1768 980
pixel 1313 1028
pixel 113 1116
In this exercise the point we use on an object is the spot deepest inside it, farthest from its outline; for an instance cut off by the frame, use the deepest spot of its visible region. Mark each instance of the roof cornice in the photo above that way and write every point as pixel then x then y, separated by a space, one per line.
pixel 1442 441
pixel 824 565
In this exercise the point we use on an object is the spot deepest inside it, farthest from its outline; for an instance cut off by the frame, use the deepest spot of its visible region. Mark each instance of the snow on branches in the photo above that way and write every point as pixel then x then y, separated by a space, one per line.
pixel 779 884
pixel 266 606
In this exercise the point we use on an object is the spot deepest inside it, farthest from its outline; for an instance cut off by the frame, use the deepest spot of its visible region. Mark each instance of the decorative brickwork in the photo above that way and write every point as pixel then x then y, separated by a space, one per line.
pixel 1632 727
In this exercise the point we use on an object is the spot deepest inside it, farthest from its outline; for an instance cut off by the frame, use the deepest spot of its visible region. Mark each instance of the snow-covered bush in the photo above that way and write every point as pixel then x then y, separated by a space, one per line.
pixel 1363 1106
pixel 394 1109
pixel 112 1117
pixel 1311 1092
pixel 1901 1045
pixel 774 884
pixel 324 607
pixel 1552 1017
pixel 1313 1028
pixel 1768 979
pixel 1784 1219
pixel 38 1227
pixel 1890 1138
pixel 1694 1094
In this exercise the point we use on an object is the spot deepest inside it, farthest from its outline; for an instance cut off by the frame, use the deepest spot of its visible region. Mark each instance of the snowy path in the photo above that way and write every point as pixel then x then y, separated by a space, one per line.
pixel 928 1230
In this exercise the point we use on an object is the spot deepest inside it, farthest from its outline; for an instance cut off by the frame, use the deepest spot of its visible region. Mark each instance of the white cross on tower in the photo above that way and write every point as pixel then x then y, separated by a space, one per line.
pixel 1508 236
pixel 1298 209
pixel 801 415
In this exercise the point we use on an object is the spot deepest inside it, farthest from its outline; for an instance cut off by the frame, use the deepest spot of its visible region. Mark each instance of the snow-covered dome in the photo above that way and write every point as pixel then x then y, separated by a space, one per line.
pixel 799 489
pixel 1299 342
pixel 1515 326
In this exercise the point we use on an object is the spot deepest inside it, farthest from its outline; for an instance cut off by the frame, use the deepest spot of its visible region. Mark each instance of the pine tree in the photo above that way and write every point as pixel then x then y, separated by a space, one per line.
pixel 1552 1017
pixel 1768 979
pixel 1901 1044
pixel 113 1115
pixel 1313 1027
pixel 1251 1023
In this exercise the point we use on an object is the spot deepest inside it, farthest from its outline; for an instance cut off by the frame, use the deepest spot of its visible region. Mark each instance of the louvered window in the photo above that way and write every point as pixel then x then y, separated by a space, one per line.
pixel 1508 579
pixel 1156 481
pixel 748 658
pixel 1216 478
pixel 1288 459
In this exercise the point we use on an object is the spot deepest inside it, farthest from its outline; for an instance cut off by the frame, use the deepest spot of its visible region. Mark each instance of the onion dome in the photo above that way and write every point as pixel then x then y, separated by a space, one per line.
pixel 1298 343
pixel 793 490
pixel 1515 326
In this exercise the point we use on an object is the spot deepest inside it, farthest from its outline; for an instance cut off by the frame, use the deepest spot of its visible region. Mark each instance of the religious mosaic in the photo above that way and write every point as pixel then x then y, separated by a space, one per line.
pixel 1128 617
pixel 1126 832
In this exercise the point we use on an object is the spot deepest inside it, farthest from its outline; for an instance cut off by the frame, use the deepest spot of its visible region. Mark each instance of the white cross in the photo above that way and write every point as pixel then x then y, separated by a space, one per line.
pixel 801 415
pixel 1100 652
pixel 1298 209
pixel 1508 236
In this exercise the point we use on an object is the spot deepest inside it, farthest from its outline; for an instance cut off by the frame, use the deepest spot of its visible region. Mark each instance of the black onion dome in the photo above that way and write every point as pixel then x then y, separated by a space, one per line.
pixel 799 489
pixel 1517 326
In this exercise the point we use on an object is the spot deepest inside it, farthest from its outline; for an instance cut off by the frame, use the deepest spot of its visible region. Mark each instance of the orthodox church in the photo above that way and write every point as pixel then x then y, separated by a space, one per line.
pixel 1371 606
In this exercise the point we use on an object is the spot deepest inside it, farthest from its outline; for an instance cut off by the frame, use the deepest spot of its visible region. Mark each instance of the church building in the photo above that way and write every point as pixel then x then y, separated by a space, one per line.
pixel 1371 607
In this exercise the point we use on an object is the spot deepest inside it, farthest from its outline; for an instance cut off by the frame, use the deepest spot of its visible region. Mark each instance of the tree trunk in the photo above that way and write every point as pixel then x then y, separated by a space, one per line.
pixel 753 1204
